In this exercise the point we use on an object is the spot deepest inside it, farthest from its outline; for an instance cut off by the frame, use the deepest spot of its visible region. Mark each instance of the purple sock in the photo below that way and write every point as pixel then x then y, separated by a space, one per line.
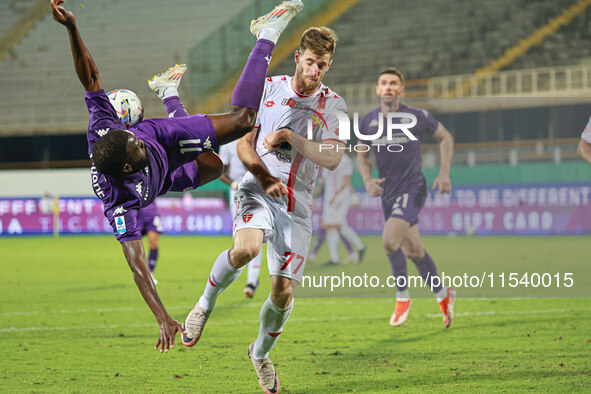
pixel 346 243
pixel 174 107
pixel 319 241
pixel 428 270
pixel 152 257
pixel 249 89
pixel 398 265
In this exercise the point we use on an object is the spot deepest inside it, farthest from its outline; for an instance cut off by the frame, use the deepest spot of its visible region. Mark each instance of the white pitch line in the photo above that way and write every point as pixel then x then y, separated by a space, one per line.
pixel 296 320
pixel 300 301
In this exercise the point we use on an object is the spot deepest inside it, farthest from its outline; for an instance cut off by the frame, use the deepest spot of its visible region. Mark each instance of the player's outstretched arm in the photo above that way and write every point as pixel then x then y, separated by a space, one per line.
pixel 372 185
pixel 83 62
pixel 325 154
pixel 584 150
pixel 273 186
pixel 446 149
pixel 136 258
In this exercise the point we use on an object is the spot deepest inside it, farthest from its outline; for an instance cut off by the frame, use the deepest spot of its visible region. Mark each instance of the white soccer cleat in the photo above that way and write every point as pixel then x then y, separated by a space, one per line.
pixel 447 307
pixel 266 373
pixel 171 78
pixel 353 258
pixel 194 324
pixel 400 313
pixel 278 18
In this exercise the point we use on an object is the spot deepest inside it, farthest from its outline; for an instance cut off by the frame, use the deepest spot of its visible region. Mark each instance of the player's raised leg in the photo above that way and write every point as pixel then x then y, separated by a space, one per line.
pixel 248 92
pixel 413 249
pixel 392 237
pixel 165 85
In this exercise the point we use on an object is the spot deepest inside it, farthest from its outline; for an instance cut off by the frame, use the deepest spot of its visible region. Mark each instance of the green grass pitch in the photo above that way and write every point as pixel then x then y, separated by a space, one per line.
pixel 72 320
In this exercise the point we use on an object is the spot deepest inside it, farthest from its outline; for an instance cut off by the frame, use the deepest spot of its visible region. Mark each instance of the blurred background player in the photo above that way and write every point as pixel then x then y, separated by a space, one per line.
pixel 402 188
pixel 584 147
pixel 170 154
pixel 338 191
pixel 234 171
pixel 151 228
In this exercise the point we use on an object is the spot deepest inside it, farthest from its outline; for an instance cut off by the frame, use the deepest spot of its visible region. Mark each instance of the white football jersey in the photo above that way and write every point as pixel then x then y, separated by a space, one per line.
pixel 333 180
pixel 587 132
pixel 282 107
pixel 236 169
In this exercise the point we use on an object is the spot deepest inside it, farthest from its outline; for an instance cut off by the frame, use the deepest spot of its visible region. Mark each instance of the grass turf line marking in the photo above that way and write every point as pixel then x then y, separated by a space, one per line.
pixel 298 320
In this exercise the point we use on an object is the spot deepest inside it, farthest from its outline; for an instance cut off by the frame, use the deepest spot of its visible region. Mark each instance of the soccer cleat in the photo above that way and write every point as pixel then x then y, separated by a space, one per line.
pixel 278 18
pixel 249 290
pixel 400 313
pixel 362 253
pixel 171 78
pixel 447 307
pixel 353 258
pixel 194 324
pixel 266 374
pixel 153 279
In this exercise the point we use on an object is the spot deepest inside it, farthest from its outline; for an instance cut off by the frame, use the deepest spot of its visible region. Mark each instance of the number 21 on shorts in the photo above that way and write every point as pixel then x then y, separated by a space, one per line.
pixel 397 204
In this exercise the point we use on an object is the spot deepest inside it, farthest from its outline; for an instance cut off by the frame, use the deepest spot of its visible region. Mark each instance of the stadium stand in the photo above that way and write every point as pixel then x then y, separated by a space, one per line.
pixel 442 38
pixel 130 41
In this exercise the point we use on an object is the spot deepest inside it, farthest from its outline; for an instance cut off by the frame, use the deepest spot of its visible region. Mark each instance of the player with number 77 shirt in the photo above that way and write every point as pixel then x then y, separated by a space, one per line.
pixel 274 198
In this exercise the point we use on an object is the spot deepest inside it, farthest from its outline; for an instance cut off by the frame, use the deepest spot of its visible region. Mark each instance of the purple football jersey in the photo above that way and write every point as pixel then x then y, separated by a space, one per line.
pixel 402 169
pixel 171 143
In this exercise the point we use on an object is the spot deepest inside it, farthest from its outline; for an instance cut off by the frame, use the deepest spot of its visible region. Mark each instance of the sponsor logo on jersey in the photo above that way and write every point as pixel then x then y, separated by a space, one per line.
pixel 246 217
pixel 280 156
pixel 138 188
pixel 120 225
pixel 269 103
pixel 102 132
pixel 207 144
pixel 119 211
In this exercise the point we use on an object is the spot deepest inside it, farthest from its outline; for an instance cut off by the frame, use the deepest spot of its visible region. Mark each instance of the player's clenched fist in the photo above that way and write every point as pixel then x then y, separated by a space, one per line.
pixel 373 186
pixel 274 187
pixel 275 139
pixel 60 14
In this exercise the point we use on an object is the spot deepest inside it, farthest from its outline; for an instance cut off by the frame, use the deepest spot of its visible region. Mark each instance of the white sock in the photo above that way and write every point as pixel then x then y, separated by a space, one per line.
pixel 441 294
pixel 254 269
pixel 273 319
pixel 269 33
pixel 221 276
pixel 169 91
pixel 332 239
pixel 351 236
pixel 403 295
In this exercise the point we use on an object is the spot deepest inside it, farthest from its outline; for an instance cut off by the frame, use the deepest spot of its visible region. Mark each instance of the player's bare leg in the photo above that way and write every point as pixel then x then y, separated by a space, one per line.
pixel 413 249
pixel 394 232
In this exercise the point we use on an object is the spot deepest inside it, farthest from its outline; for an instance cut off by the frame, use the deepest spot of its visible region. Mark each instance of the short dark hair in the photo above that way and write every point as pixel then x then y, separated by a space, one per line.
pixel 392 70
pixel 109 153
pixel 320 40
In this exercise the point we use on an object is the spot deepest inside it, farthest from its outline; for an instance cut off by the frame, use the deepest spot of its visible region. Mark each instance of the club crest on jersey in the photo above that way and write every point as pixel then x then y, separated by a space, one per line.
pixel 120 225
pixel 246 217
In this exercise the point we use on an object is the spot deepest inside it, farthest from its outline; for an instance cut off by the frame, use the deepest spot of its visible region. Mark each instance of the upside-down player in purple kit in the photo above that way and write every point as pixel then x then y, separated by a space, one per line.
pixel 130 168
pixel 403 190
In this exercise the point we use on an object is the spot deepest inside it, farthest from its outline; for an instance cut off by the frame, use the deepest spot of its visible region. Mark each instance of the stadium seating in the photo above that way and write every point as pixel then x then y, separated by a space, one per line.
pixel 130 40
pixel 429 38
